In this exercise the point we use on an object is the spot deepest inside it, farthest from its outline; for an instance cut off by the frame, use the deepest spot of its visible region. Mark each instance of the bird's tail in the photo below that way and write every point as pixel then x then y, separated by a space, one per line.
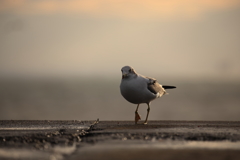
pixel 168 87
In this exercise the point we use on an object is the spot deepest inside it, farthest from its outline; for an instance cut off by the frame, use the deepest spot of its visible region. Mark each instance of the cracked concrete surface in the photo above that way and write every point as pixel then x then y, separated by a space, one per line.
pixel 57 140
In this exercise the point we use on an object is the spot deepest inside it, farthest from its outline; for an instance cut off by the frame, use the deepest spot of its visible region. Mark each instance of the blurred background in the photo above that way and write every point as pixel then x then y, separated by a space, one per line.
pixel 61 59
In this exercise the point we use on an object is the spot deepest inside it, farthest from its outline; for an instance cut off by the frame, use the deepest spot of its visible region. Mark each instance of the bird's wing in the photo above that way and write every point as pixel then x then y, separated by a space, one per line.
pixel 155 87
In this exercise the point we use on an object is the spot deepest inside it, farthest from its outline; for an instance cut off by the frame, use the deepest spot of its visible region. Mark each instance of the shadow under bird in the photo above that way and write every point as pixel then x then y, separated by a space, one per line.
pixel 137 89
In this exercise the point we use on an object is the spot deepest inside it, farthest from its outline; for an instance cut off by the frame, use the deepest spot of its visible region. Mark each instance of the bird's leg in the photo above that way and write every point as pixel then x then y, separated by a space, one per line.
pixel 137 116
pixel 148 110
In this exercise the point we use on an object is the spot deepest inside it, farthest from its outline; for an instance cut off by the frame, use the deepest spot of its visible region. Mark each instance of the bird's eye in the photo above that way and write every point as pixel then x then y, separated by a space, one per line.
pixel 130 70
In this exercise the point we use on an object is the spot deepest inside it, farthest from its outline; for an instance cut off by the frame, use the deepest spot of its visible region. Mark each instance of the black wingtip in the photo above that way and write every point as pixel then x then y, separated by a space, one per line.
pixel 168 87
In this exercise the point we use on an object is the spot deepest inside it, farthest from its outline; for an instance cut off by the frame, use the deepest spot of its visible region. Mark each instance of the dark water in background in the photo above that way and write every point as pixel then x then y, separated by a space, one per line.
pixel 89 100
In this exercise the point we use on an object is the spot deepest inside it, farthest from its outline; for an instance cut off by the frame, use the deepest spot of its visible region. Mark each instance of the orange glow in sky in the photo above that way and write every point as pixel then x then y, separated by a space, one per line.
pixel 138 9
pixel 187 38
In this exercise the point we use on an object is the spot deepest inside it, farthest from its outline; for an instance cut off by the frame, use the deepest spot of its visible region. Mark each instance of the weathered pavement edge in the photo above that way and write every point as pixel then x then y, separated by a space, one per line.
pixel 116 139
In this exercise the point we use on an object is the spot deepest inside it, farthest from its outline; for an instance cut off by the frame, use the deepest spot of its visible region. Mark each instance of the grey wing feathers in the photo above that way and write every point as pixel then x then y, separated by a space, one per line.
pixel 155 87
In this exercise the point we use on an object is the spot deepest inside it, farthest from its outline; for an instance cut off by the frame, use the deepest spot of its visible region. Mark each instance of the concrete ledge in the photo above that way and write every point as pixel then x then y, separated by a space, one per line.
pixel 119 140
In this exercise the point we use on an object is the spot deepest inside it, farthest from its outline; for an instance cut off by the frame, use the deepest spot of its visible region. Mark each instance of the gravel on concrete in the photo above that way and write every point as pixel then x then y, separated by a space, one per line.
pixel 57 140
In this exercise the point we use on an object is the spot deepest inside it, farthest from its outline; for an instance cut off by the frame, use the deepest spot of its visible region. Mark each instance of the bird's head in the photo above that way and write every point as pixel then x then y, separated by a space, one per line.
pixel 128 71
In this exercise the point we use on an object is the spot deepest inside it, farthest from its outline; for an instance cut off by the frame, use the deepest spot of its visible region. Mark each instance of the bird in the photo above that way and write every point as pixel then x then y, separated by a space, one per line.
pixel 138 89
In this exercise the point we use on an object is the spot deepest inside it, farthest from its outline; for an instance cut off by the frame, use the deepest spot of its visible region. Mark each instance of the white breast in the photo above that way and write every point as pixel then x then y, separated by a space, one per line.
pixel 135 90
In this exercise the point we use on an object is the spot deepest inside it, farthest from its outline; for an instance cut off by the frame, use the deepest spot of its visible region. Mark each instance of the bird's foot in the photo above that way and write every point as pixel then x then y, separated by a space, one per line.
pixel 137 117
pixel 144 123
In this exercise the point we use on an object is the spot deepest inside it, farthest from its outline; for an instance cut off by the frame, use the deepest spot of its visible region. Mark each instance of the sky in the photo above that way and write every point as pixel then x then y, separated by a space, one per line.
pixel 96 38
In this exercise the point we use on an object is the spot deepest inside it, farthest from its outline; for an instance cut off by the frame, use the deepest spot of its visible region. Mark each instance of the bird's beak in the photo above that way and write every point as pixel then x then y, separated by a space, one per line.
pixel 124 76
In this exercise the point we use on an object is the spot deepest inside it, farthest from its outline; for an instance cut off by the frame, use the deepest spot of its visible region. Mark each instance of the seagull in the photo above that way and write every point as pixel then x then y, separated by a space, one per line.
pixel 137 89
